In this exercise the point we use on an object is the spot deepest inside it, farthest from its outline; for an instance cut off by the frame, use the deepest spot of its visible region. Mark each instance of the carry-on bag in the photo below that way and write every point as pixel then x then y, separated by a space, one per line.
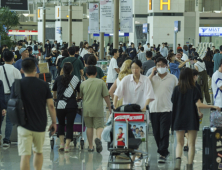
pixel 46 77
pixel 212 148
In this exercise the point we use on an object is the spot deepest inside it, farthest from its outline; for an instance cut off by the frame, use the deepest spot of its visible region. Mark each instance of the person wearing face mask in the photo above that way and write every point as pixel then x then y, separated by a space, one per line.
pixel 175 64
pixel 47 48
pixel 161 107
pixel 52 62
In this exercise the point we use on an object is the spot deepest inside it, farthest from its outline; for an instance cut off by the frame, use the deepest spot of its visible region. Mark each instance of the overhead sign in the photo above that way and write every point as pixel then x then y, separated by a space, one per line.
pixel 210 31
pixel 177 25
pixel 126 16
pixel 16 5
pixel 106 16
pixel 121 34
pixel 145 28
pixel 164 3
pixel 59 30
pixel 93 17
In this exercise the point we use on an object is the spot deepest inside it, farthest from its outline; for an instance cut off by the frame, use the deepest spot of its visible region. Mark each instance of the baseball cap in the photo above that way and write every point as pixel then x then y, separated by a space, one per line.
pixel 22 50
pixel 54 49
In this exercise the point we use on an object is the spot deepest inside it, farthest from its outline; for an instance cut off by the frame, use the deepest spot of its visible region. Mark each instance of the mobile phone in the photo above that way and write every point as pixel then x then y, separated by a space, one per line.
pixel 51 131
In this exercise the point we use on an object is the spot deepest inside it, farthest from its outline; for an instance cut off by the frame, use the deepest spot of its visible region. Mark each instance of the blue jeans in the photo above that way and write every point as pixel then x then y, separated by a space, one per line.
pixel 53 71
pixel 9 125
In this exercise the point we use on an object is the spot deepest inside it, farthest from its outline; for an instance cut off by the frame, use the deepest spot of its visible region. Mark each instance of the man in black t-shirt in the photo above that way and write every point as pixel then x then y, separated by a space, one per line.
pixel 47 48
pixel 86 56
pixel 29 48
pixel 95 46
pixel 35 96
pixel 51 59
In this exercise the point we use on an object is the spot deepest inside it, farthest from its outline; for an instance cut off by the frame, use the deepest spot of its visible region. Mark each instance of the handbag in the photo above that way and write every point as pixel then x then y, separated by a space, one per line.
pixel 15 109
pixel 7 78
pixel 201 78
pixel 216 119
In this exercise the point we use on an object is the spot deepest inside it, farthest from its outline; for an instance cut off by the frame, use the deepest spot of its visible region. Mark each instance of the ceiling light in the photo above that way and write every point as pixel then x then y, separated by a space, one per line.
pixel 26 15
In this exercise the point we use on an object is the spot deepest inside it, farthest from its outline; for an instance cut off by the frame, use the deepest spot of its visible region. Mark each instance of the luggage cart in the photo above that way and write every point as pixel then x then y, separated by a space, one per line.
pixel 139 117
pixel 78 127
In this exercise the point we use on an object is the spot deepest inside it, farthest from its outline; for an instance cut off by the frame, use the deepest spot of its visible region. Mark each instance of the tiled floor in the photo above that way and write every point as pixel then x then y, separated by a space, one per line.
pixel 82 160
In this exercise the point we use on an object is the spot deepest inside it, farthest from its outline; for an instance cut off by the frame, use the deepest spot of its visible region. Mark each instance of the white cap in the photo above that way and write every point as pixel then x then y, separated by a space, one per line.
pixel 54 49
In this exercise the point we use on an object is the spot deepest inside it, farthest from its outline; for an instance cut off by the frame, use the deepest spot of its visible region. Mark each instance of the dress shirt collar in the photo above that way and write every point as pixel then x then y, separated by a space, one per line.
pixel 140 80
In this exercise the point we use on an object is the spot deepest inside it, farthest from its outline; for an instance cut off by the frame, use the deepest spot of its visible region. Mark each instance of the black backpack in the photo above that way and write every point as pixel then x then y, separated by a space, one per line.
pixel 15 109
pixel 129 108
pixel 35 47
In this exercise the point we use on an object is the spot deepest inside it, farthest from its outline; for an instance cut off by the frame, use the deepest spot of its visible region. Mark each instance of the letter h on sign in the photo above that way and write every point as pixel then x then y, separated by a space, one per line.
pixel 164 3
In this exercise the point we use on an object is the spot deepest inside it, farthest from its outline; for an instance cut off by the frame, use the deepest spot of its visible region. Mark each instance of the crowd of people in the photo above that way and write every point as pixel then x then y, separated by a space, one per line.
pixel 165 80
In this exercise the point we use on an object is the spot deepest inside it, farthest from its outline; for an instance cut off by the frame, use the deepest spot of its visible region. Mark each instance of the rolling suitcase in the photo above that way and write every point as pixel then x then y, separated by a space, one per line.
pixel 212 148
pixel 46 77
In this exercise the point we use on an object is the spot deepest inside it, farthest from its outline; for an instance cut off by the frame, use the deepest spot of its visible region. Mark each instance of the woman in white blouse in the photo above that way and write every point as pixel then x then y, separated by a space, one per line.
pixel 203 78
pixel 84 50
pixel 125 71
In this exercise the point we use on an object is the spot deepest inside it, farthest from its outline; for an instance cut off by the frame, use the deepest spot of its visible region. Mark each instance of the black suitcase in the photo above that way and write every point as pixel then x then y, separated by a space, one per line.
pixel 45 77
pixel 212 148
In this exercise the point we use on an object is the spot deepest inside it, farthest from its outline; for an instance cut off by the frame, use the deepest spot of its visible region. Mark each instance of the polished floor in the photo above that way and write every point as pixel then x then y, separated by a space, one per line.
pixel 79 159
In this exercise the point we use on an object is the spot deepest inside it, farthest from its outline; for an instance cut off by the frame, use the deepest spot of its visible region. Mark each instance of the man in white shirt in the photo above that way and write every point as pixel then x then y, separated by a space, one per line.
pixel 142 55
pixel 12 74
pixel 164 51
pixel 113 69
pixel 184 57
pixel 160 109
pixel 147 47
pixel 217 86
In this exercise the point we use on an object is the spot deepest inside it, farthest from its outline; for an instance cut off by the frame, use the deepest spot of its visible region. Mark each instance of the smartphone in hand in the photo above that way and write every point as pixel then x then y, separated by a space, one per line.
pixel 51 131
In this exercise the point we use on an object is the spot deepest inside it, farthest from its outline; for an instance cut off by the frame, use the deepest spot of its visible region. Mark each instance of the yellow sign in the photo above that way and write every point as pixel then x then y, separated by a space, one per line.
pixel 217 136
pixel 38 13
pixel 58 12
pixel 164 3
pixel 150 4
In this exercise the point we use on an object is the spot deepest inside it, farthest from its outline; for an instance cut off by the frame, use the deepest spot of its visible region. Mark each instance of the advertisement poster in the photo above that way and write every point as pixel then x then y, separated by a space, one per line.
pixel 139 130
pixel 93 18
pixel 59 30
pixel 106 16
pixel 120 134
pixel 15 5
pixel 126 16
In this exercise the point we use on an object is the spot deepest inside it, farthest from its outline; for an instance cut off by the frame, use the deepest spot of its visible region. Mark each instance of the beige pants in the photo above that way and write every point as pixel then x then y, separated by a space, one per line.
pixel 28 140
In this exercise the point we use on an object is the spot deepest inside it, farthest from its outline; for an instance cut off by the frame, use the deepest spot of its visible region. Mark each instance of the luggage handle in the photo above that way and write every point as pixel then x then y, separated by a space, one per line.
pixel 44 77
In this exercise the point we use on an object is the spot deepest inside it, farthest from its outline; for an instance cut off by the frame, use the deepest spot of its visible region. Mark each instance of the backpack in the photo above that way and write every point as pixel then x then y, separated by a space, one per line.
pixel 35 47
pixel 15 109
pixel 129 108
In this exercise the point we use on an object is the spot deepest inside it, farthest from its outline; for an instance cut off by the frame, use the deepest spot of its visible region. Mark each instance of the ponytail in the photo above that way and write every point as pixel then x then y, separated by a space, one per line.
pixel 67 69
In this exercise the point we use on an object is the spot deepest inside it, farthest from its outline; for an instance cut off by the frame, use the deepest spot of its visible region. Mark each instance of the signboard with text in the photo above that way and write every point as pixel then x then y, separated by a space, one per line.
pixel 145 28
pixel 106 16
pixel 15 5
pixel 93 18
pixel 126 16
pixel 210 31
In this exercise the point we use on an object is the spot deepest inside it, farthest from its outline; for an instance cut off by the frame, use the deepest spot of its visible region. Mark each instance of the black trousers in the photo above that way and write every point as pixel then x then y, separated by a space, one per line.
pixel 70 115
pixel 161 123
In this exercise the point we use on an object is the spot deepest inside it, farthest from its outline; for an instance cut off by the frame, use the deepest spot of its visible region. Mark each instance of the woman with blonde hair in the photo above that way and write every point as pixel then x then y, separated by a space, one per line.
pixel 125 71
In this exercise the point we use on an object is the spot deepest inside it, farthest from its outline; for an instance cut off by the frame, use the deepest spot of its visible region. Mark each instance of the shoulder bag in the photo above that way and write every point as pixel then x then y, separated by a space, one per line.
pixel 15 109
pixel 7 78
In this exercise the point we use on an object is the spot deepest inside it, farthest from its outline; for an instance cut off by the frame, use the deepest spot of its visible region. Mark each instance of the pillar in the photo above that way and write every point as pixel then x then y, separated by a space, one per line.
pixel 101 46
pixel 116 25
pixel 43 25
pixel 70 24
pixel 197 23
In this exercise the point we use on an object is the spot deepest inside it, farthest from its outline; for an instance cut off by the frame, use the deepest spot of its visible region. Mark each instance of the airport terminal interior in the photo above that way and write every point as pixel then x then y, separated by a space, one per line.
pixel 128 84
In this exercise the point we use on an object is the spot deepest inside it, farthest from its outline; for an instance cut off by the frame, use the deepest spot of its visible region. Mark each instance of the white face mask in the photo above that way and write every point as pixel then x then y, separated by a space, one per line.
pixel 162 70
